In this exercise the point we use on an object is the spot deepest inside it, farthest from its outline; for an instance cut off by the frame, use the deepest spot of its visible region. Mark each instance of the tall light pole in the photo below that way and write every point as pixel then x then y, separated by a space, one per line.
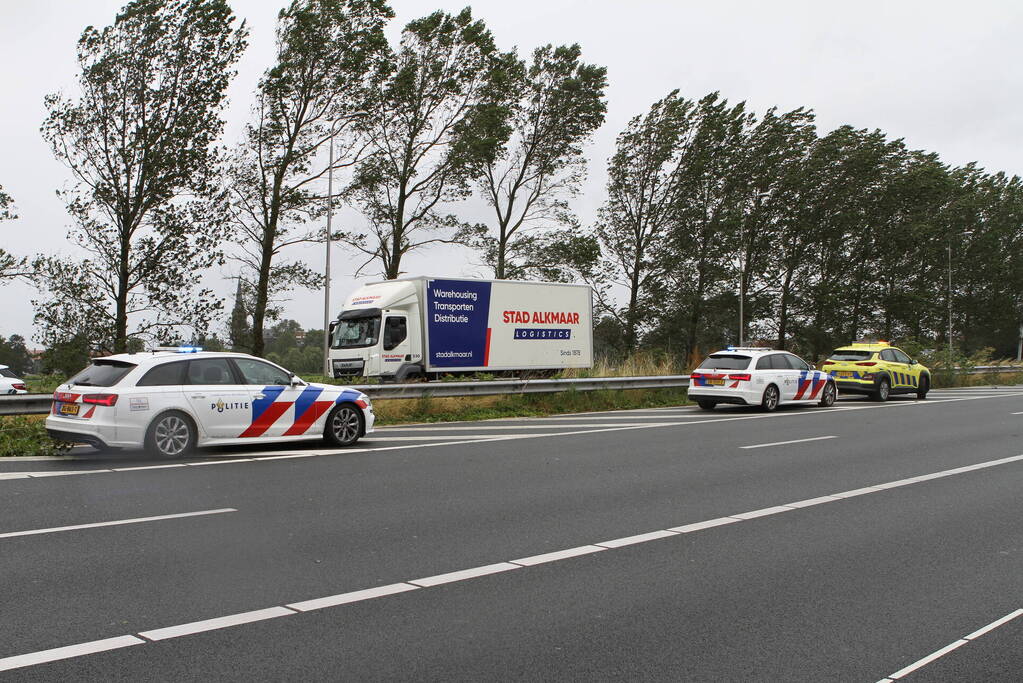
pixel 326 261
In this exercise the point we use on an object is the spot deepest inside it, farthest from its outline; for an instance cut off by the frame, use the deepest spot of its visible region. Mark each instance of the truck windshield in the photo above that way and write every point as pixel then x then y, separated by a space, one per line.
pixel 355 332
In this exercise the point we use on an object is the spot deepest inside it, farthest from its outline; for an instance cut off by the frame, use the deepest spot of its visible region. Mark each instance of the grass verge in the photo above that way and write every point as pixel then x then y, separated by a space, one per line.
pixel 26 435
pixel 398 411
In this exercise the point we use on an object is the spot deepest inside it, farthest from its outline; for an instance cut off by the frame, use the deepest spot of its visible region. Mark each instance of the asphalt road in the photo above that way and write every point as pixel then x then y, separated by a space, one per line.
pixel 850 543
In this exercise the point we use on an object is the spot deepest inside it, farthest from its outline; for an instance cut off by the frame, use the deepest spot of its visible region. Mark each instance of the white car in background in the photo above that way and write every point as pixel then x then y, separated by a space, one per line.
pixel 171 401
pixel 10 383
pixel 759 377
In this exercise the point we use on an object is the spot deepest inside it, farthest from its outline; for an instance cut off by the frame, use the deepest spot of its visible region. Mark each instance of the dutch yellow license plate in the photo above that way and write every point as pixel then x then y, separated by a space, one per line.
pixel 716 382
pixel 69 408
pixel 845 374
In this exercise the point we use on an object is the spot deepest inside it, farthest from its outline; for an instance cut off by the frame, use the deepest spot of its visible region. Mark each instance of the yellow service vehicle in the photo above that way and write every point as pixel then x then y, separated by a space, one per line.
pixel 877 369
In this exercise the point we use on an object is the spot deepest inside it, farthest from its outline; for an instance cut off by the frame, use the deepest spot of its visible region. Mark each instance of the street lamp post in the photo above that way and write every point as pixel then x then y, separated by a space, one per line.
pixel 326 266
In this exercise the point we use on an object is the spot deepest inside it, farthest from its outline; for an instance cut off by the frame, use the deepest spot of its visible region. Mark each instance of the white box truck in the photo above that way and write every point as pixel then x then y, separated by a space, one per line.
pixel 426 327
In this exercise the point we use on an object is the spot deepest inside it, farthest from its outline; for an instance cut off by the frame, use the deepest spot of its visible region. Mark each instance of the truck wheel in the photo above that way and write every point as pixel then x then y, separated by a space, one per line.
pixel 707 405
pixel 770 400
pixel 884 389
pixel 344 425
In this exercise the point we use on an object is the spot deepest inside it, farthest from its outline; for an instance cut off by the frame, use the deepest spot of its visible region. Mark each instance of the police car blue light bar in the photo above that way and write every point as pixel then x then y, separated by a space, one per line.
pixel 179 349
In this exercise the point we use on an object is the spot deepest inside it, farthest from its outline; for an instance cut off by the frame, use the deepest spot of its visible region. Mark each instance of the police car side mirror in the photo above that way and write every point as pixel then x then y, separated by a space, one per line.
pixel 296 381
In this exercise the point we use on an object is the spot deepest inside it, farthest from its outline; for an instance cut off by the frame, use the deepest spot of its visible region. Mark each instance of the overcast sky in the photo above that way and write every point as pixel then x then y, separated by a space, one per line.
pixel 943 75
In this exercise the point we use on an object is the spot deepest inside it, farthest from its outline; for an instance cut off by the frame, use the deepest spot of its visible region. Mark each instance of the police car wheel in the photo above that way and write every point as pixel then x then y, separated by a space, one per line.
pixel 770 400
pixel 829 395
pixel 707 405
pixel 344 425
pixel 925 386
pixel 171 435
pixel 884 389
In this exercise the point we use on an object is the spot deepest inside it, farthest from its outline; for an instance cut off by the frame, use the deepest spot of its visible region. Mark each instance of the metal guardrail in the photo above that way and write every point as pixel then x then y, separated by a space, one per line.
pixel 39 404
pixel 519 386
pixel 26 404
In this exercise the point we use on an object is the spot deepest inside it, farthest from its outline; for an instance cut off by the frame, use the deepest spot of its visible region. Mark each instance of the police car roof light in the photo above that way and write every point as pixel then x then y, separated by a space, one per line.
pixel 179 349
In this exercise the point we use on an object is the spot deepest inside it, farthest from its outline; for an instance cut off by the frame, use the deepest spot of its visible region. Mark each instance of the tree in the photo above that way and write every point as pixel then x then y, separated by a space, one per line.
pixel 14 354
pixel 440 113
pixel 139 142
pixel 557 104
pixel 239 330
pixel 10 265
pixel 329 52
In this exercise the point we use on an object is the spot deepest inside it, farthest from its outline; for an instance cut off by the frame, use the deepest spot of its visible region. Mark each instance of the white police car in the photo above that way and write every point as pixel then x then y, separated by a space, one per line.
pixel 170 401
pixel 759 377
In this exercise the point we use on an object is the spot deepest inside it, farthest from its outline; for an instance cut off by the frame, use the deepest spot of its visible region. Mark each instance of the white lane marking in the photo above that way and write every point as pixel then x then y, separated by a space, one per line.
pixel 65 473
pixel 149 467
pixel 786 443
pixel 464 574
pixel 993 625
pixel 1016 413
pixel 700 526
pixel 557 555
pixel 763 512
pixel 219 462
pixel 820 500
pixel 354 596
pixel 534 425
pixel 446 437
pixel 858 492
pixel 58 653
pixel 544 420
pixel 471 440
pixel 927 660
pixel 937 654
pixel 119 522
pixel 638 538
pixel 217 623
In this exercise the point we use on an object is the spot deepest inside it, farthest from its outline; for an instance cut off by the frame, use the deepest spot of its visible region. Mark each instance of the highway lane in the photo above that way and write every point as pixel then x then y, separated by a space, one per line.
pixel 311 527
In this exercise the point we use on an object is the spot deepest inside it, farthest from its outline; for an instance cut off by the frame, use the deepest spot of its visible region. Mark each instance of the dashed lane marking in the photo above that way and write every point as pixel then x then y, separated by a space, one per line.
pixel 786 443
pixel 33 658
pixel 938 654
pixel 118 522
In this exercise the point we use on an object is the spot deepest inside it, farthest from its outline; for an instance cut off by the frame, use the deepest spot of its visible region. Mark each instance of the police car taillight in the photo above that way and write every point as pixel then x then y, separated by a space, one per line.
pixel 100 399
pixel 19 387
pixel 741 376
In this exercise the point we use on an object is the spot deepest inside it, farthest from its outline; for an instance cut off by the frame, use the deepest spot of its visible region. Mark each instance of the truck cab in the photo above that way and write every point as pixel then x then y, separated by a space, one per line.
pixel 378 333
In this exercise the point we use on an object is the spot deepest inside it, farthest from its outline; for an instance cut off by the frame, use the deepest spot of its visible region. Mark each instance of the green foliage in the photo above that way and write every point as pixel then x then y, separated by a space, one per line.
pixel 329 55
pixel 10 266
pixel 556 104
pixel 441 111
pixel 140 144
pixel 288 345
pixel 25 435
pixel 65 358
pixel 14 354
pixel 827 238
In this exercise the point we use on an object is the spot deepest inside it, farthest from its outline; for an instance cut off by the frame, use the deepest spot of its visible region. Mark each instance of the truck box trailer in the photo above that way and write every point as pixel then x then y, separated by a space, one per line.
pixel 426 327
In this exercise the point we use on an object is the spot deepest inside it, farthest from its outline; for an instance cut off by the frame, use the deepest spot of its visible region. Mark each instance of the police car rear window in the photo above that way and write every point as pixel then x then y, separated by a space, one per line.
pixel 102 373
pixel 722 361
pixel 850 354
pixel 4 372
